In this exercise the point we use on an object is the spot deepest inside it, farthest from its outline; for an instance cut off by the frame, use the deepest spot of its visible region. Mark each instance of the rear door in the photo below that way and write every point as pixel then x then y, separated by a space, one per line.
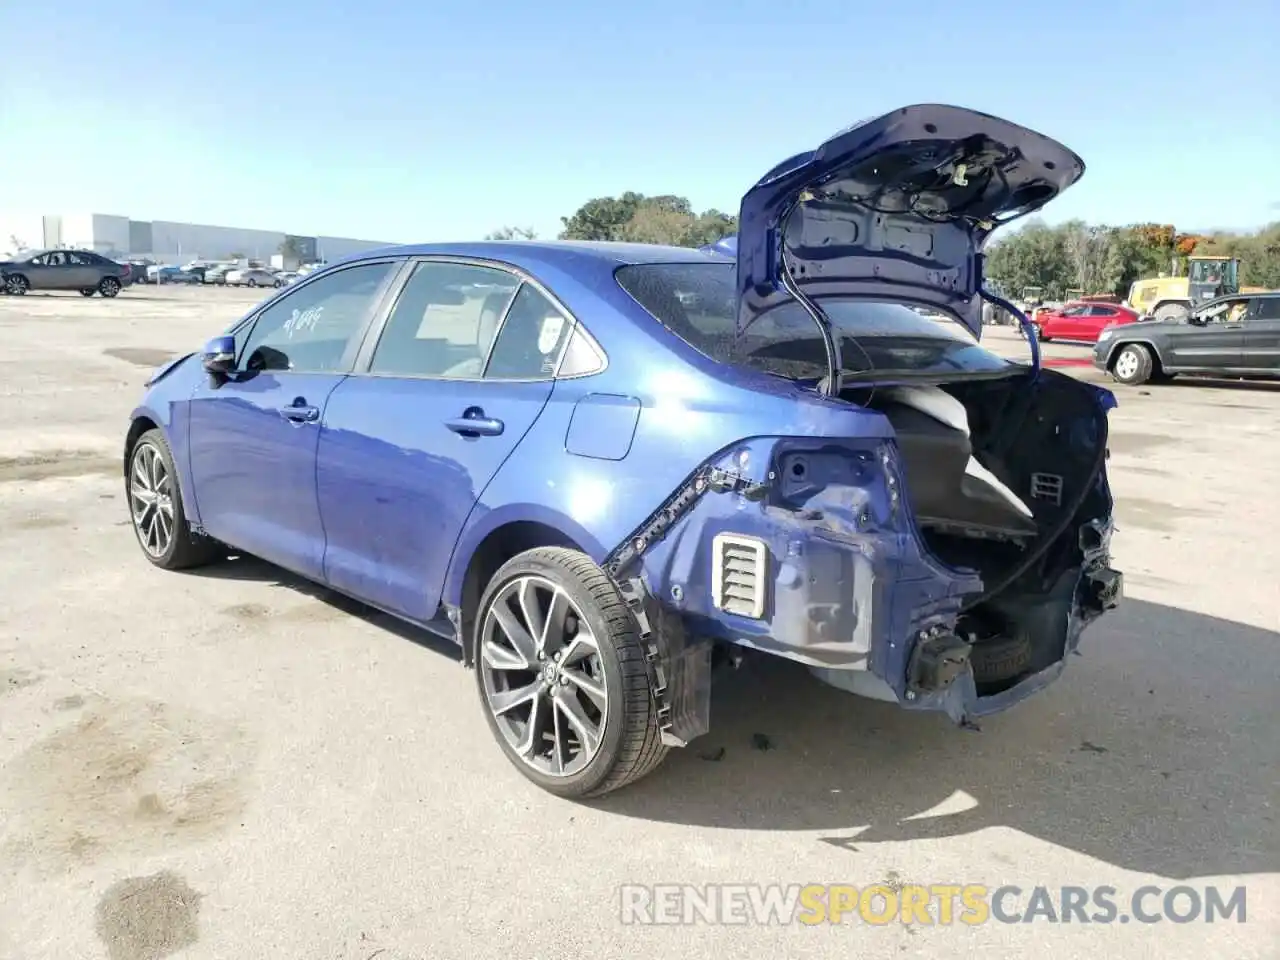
pixel 459 372
pixel 1217 343
pixel 1262 336
pixel 253 436
pixel 84 269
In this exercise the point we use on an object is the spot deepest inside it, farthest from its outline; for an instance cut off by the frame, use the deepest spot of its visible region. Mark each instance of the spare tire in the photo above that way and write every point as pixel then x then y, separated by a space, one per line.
pixel 995 661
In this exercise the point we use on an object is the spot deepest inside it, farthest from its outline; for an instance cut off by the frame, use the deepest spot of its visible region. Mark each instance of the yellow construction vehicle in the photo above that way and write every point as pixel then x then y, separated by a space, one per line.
pixel 1176 296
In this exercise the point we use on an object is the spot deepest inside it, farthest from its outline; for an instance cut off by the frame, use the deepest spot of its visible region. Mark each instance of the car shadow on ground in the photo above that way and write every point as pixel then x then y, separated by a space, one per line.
pixel 253 570
pixel 1156 751
pixel 1222 384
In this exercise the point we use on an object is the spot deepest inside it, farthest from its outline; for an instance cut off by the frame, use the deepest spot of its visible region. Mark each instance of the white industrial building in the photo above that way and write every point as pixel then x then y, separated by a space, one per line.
pixel 166 241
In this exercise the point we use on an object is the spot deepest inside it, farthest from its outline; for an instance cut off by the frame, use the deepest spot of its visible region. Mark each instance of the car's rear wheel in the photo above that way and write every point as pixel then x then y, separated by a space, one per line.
pixel 563 677
pixel 109 286
pixel 1133 365
pixel 16 285
pixel 251 283
pixel 87 292
pixel 155 507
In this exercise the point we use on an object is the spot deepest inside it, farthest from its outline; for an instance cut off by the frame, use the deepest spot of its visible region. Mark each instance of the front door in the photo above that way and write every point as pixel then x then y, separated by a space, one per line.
pixel 253 435
pixel 460 372
pixel 1210 339
pixel 1262 336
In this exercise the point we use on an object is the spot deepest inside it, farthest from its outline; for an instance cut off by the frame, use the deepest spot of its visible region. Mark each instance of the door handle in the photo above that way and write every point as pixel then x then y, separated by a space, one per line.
pixel 300 413
pixel 473 423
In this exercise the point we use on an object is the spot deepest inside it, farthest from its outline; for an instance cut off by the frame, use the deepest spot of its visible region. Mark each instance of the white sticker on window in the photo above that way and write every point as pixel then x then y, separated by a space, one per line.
pixel 549 335
pixel 303 320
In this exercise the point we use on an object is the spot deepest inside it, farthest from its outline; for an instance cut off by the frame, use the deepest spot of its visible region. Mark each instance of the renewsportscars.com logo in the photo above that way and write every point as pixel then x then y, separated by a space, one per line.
pixel 934 904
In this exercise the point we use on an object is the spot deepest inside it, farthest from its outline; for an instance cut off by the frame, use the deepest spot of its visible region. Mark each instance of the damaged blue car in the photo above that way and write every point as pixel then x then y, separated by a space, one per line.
pixel 603 469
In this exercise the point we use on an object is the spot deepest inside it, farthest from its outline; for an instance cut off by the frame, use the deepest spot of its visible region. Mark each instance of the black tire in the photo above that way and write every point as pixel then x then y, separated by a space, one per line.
pixel 109 287
pixel 997 661
pixel 16 285
pixel 186 548
pixel 631 745
pixel 1132 365
pixel 1039 332
pixel 88 292
pixel 251 282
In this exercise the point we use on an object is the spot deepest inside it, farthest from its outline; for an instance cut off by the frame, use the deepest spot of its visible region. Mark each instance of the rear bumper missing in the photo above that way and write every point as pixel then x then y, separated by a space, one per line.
pixel 850 591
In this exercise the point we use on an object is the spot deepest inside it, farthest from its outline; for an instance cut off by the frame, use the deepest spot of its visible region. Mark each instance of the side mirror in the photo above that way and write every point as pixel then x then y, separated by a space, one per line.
pixel 220 356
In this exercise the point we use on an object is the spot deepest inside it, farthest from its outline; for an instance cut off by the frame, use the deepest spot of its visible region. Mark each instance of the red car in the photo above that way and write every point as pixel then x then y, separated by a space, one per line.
pixel 1081 321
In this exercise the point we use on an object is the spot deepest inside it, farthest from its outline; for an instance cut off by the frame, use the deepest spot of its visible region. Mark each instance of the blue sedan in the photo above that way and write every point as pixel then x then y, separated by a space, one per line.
pixel 603 469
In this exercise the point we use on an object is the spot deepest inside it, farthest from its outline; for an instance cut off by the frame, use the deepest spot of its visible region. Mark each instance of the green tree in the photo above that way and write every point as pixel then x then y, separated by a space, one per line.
pixel 665 219
pixel 1035 256
pixel 602 218
pixel 291 248
pixel 512 233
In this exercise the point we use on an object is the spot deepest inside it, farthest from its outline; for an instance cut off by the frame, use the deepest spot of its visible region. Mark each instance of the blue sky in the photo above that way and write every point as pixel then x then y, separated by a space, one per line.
pixel 435 121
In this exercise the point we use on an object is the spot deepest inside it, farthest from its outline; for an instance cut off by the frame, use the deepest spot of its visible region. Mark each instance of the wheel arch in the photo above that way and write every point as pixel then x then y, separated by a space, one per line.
pixel 141 422
pixel 1156 360
pixel 484 548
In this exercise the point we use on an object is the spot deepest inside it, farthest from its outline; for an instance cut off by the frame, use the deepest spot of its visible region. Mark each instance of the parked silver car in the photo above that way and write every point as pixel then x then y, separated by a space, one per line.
pixel 251 277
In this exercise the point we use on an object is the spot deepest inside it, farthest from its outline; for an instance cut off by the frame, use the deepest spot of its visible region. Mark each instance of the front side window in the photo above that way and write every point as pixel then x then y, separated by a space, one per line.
pixel 458 321
pixel 697 302
pixel 310 329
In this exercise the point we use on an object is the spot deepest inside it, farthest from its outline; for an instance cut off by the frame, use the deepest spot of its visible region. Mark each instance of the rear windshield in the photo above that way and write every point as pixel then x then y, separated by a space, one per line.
pixel 696 302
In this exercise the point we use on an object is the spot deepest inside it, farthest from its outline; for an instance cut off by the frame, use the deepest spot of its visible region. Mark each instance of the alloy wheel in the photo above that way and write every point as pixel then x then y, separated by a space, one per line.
pixel 151 500
pixel 542 676
pixel 16 286
pixel 110 287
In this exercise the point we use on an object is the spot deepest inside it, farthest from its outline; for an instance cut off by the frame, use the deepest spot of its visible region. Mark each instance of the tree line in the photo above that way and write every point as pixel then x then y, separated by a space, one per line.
pixel 1072 256
pixel 1101 259
pixel 636 218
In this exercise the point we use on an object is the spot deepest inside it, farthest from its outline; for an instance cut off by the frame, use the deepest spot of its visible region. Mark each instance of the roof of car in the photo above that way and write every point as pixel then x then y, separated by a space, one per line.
pixel 558 253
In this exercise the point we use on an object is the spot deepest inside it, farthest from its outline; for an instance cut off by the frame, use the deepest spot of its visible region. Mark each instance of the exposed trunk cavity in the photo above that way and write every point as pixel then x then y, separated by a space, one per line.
pixel 1005 478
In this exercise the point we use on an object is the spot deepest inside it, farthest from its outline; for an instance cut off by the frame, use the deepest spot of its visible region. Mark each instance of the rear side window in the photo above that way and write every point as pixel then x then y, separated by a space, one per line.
pixel 697 302
pixel 1268 308
pixel 457 321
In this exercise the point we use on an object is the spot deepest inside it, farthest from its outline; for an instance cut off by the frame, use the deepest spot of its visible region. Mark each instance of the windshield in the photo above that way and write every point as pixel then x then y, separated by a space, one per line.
pixel 696 301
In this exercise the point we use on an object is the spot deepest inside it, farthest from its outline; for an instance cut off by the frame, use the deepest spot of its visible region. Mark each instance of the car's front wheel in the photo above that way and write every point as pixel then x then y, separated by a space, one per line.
pixel 155 507
pixel 251 283
pixel 1133 365
pixel 87 292
pixel 109 286
pixel 563 677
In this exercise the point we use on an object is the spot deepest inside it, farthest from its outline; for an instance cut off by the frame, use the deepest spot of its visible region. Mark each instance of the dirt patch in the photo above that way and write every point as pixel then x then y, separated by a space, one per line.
pixel 1130 444
pixel 58 463
pixel 41 523
pixel 1148 471
pixel 11 680
pixel 147 918
pixel 73 702
pixel 140 356
pixel 1151 514
pixel 247 612
pixel 128 779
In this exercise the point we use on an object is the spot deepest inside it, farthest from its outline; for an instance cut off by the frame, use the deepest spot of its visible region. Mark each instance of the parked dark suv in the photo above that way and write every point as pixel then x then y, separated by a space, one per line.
pixel 81 270
pixel 1232 336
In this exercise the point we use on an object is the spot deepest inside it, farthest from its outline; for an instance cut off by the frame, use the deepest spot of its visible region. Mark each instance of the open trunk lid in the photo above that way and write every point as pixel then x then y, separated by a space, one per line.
pixel 895 208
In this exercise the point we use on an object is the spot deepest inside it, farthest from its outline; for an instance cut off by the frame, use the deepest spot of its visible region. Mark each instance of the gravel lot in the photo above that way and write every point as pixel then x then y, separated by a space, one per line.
pixel 232 764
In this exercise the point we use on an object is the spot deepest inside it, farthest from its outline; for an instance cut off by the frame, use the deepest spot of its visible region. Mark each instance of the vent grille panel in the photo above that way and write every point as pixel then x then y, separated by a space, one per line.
pixel 1047 486
pixel 740 575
